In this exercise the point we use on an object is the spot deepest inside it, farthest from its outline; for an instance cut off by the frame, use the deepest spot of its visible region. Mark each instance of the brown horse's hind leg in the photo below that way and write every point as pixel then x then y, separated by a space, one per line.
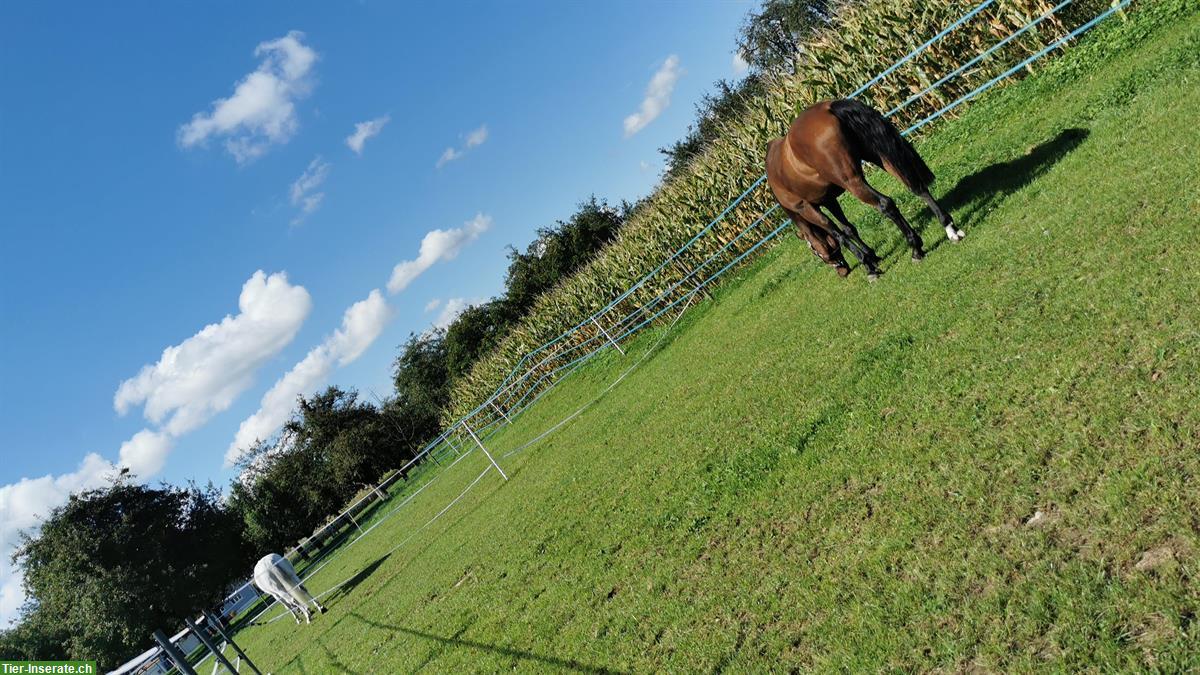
pixel 952 231
pixel 858 186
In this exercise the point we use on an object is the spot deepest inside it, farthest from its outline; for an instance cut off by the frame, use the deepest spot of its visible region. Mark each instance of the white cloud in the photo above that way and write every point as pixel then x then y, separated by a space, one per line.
pixel 477 137
pixel 739 64
pixel 202 375
pixel 438 245
pixel 454 307
pixel 365 130
pixel 432 305
pixel 473 139
pixel 361 325
pixel 448 155
pixel 303 192
pixel 262 109
pixel 310 180
pixel 192 381
pixel 145 453
pixel 12 594
pixel 658 96
pixel 24 505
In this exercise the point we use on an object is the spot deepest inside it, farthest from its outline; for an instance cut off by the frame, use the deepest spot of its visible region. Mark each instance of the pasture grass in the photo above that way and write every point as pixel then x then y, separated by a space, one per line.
pixel 817 474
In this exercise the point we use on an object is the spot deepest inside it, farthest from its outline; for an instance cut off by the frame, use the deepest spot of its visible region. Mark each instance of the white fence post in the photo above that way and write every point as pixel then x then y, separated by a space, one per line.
pixel 605 334
pixel 500 410
pixel 484 449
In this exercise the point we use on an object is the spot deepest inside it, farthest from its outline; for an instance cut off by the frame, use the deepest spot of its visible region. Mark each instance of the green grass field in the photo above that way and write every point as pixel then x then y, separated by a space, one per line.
pixel 816 474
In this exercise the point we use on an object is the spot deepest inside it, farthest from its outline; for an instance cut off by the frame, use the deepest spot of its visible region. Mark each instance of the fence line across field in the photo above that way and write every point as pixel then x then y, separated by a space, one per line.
pixel 309 573
pixel 504 404
pixel 395 548
pixel 620 327
pixel 492 465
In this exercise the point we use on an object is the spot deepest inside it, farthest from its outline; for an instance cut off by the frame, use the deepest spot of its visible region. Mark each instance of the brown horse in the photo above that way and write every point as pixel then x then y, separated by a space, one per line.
pixel 821 157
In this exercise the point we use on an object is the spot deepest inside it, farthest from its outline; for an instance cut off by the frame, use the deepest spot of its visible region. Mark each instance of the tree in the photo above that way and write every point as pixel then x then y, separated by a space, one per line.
pixel 352 436
pixel 333 446
pixel 771 37
pixel 284 501
pixel 37 637
pixel 422 383
pixel 114 564
pixel 474 333
pixel 553 256
pixel 559 251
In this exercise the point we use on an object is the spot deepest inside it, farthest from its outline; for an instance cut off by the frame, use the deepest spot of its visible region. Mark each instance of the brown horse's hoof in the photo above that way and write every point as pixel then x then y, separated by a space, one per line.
pixel 843 271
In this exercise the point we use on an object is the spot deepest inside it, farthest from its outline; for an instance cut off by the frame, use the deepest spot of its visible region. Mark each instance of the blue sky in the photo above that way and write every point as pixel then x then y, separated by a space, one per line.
pixel 151 163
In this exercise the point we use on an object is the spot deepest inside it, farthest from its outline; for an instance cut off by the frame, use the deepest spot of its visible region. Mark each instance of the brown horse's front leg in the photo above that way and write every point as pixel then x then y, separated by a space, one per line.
pixel 835 208
pixel 864 253
pixel 828 253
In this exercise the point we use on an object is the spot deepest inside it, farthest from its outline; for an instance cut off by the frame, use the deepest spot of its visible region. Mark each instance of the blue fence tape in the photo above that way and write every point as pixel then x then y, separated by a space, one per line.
pixel 1046 50
pixel 965 18
pixel 957 71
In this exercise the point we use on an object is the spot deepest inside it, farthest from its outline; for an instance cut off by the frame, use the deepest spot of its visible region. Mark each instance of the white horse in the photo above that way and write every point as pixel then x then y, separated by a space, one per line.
pixel 275 576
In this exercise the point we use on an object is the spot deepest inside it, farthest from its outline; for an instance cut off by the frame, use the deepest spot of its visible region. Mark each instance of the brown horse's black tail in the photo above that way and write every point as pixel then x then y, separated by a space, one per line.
pixel 876 140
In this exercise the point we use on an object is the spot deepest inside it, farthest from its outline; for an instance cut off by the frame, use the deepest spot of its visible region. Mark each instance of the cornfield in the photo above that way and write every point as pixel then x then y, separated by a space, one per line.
pixel 866 37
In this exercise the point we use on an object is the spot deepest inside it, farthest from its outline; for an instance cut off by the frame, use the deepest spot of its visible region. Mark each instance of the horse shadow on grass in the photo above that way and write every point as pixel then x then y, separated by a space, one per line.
pixel 980 192
pixel 456 640
pixel 348 587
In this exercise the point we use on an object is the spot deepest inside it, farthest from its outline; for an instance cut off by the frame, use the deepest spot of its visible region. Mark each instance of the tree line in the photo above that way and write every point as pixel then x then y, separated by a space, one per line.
pixel 115 563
